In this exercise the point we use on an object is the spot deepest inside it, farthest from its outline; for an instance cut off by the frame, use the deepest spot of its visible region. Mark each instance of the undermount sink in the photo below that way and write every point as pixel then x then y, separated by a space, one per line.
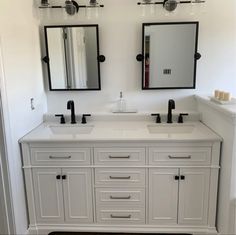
pixel 71 129
pixel 171 128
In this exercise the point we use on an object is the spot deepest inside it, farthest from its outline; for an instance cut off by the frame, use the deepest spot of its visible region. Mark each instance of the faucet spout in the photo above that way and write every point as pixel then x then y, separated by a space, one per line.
pixel 171 105
pixel 71 106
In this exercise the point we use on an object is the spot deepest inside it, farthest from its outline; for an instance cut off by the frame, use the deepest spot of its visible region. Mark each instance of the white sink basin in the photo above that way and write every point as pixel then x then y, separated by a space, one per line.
pixel 71 129
pixel 171 128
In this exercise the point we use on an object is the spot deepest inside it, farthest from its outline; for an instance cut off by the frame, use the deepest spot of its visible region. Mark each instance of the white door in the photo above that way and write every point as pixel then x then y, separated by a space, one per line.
pixel 77 188
pixel 193 196
pixel 48 195
pixel 163 198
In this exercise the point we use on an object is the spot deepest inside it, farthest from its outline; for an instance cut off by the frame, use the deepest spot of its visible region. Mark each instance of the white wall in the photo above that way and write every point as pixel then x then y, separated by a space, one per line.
pixel 120 42
pixel 23 79
pixel 222 121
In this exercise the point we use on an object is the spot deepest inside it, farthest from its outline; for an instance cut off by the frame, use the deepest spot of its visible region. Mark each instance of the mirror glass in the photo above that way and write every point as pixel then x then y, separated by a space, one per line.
pixel 72 57
pixel 169 52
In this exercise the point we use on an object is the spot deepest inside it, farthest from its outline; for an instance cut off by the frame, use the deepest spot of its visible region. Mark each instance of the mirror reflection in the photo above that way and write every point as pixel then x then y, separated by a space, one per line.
pixel 169 55
pixel 72 54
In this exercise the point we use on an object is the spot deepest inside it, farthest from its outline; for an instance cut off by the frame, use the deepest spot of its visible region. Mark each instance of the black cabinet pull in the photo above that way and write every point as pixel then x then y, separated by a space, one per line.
pixel 176 177
pixel 64 177
pixel 182 177
pixel 58 177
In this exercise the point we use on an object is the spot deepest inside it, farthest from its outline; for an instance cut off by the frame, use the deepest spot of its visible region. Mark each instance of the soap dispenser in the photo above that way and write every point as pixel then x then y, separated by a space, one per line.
pixel 121 105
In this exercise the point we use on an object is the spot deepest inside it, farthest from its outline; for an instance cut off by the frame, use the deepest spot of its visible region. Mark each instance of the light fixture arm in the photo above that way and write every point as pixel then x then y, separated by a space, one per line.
pixel 71 6
pixel 147 2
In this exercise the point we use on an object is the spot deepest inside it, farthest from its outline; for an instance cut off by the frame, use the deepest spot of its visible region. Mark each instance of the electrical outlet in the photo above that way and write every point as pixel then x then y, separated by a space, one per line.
pixel 32 104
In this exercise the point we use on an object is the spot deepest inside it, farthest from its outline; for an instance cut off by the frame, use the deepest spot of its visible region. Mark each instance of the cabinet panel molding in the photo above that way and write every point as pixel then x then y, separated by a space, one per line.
pixel 163 196
pixel 48 195
pixel 193 196
pixel 77 189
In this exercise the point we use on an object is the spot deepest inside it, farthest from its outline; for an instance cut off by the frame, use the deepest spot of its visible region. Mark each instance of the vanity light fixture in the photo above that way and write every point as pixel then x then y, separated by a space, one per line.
pixel 71 6
pixel 170 5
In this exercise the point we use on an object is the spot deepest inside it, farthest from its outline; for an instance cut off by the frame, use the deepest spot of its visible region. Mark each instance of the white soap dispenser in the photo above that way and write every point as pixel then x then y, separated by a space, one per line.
pixel 121 105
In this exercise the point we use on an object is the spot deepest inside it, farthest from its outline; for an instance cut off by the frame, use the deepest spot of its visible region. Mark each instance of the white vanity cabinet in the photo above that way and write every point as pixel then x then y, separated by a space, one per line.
pixel 158 187
pixel 61 184
pixel 178 196
pixel 183 190
pixel 59 189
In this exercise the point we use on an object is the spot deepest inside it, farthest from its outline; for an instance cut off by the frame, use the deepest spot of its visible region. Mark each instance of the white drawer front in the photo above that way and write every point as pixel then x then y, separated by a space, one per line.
pixel 106 215
pixel 60 156
pixel 119 156
pixel 120 196
pixel 180 155
pixel 121 177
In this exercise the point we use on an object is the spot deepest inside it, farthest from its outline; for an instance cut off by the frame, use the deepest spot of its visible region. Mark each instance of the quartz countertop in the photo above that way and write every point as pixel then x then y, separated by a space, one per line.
pixel 226 109
pixel 116 130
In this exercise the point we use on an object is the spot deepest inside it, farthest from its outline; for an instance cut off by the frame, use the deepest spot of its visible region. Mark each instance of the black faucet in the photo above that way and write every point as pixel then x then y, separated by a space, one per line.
pixel 171 105
pixel 71 106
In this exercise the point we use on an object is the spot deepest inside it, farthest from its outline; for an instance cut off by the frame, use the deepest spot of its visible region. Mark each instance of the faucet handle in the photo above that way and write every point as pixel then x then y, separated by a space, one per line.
pixel 180 119
pixel 84 121
pixel 62 120
pixel 158 119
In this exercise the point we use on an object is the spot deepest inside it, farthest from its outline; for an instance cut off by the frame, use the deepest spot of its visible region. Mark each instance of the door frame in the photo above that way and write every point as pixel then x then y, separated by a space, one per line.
pixel 5 136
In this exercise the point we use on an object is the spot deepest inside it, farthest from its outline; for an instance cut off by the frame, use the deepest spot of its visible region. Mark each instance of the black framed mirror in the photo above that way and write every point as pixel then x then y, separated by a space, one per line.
pixel 169 55
pixel 73 57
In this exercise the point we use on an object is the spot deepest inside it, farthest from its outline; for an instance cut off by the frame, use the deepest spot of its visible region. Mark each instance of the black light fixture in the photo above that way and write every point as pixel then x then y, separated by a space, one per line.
pixel 170 5
pixel 71 6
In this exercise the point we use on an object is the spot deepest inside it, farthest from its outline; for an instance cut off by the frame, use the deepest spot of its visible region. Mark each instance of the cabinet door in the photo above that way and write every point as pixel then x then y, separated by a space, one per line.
pixel 77 188
pixel 163 196
pixel 193 196
pixel 48 195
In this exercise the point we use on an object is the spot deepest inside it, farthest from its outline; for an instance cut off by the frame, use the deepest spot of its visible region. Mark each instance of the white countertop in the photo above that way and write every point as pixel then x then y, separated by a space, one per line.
pixel 114 130
pixel 226 109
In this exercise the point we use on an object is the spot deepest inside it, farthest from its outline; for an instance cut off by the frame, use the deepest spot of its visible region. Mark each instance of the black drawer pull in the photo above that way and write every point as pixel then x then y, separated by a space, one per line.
pixel 114 197
pixel 120 177
pixel 182 177
pixel 120 216
pixel 119 157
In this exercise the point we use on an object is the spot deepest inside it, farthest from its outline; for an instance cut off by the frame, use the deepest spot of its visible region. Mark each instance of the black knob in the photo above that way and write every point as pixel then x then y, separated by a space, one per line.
pixel 62 120
pixel 84 120
pixel 64 177
pixel 182 177
pixel 158 119
pixel 180 119
pixel 58 177
pixel 176 177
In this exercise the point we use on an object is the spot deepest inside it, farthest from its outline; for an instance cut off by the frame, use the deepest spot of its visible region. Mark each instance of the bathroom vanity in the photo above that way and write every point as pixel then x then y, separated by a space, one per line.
pixel 118 175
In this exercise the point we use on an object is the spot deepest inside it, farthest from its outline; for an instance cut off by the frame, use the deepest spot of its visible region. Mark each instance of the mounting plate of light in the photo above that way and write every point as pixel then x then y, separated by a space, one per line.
pixel 71 6
pixel 170 5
